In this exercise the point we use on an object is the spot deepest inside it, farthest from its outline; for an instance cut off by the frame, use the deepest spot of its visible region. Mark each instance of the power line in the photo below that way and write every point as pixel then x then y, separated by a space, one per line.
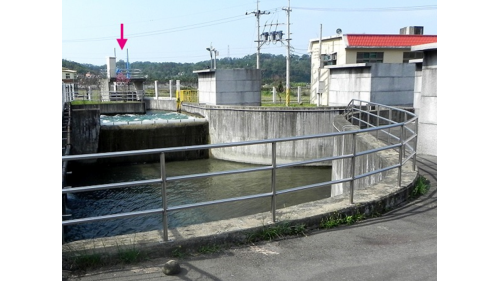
pixel 162 31
pixel 386 9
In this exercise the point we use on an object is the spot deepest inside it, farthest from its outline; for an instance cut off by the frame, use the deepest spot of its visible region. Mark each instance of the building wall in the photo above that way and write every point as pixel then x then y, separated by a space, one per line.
pixel 238 87
pixel 230 87
pixel 328 46
pixel 72 75
pixel 344 57
pixel 347 83
pixel 390 55
pixel 418 88
pixel 393 83
pixel 427 113
pixel 385 83
pixel 206 88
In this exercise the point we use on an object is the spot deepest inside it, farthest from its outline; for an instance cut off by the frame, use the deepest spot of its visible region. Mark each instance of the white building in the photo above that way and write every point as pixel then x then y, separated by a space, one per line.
pixel 371 67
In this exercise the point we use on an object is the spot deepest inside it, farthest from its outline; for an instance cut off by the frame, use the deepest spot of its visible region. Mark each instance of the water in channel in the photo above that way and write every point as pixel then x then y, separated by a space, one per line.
pixel 115 201
pixel 147 197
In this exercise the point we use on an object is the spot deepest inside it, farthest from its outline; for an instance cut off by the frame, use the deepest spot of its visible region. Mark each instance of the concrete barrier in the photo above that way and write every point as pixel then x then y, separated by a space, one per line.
pixel 168 104
pixel 342 169
pixel 115 108
pixel 85 127
pixel 236 124
pixel 149 136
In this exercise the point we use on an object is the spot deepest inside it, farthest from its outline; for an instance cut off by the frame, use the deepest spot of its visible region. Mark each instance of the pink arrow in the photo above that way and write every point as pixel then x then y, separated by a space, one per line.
pixel 122 41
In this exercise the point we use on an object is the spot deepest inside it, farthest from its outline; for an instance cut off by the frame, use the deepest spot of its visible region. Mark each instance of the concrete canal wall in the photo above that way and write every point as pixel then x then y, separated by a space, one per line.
pixel 88 136
pixel 246 123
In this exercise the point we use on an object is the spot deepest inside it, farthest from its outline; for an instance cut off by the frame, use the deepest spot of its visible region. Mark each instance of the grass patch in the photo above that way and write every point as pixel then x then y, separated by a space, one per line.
pixel 209 249
pixel 130 255
pixel 85 261
pixel 335 220
pixel 422 186
pixel 279 230
pixel 95 258
pixel 179 253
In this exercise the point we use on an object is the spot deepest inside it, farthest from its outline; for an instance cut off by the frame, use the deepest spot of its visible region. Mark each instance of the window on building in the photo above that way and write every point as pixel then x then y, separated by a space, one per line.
pixel 369 57
pixel 68 76
pixel 329 59
pixel 407 56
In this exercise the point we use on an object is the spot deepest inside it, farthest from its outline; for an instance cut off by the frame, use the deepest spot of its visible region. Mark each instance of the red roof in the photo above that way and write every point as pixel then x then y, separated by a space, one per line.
pixel 396 40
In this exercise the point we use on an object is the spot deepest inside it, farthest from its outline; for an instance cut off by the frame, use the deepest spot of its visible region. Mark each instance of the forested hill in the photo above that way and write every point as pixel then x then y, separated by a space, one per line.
pixel 273 68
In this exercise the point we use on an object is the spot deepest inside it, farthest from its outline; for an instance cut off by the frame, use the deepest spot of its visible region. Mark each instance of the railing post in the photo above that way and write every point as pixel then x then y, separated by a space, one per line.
pixel 156 89
pixel 390 119
pixel 178 88
pixel 416 143
pixel 353 166
pixel 378 120
pixel 164 196
pixel 170 88
pixel 273 182
pixel 401 149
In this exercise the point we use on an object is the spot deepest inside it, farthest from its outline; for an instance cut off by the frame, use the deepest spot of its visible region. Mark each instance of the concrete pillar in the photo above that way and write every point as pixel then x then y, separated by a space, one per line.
pixel 274 94
pixel 170 87
pixel 298 94
pixel 156 89
pixel 177 88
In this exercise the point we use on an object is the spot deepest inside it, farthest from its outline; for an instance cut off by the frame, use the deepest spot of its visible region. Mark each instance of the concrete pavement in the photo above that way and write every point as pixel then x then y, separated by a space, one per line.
pixel 399 245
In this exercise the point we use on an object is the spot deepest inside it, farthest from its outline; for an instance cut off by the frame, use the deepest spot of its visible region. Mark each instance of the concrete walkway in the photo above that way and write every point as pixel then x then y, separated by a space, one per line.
pixel 399 245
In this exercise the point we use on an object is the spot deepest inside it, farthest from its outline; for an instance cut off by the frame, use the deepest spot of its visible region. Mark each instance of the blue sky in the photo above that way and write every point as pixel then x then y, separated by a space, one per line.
pixel 180 31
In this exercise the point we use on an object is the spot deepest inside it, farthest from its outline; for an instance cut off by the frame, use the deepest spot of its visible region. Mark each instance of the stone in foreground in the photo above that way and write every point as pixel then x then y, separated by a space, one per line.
pixel 171 267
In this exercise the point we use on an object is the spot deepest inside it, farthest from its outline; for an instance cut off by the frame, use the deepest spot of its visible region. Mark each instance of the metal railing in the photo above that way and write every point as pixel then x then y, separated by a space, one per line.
pixel 355 112
pixel 130 73
pixel 126 95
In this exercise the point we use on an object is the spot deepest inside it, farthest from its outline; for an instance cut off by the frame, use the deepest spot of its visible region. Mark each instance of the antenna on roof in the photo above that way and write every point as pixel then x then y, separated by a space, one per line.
pixel 339 31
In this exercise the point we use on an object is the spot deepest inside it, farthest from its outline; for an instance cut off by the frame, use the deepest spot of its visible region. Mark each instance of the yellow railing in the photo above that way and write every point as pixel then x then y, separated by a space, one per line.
pixel 186 95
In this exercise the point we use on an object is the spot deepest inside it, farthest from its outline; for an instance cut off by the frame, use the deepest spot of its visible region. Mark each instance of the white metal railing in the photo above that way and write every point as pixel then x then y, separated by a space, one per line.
pixel 363 113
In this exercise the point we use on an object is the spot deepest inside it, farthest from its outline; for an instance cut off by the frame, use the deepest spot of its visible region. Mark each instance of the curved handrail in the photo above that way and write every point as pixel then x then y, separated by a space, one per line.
pixel 401 130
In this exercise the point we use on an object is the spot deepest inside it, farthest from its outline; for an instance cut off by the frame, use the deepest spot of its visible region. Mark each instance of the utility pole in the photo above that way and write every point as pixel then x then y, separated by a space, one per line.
pixel 287 96
pixel 257 14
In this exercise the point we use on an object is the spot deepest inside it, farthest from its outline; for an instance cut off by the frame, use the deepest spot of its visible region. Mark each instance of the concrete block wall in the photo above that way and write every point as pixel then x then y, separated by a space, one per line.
pixel 349 83
pixel 393 83
pixel 230 87
pixel 238 86
pixel 386 83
